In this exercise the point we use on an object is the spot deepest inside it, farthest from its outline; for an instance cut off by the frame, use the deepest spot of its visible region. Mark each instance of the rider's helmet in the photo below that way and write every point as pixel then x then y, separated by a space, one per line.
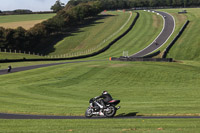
pixel 104 92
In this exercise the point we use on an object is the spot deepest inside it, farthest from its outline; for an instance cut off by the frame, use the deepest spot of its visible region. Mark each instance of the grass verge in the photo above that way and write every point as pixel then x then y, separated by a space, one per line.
pixel 101 125
pixel 144 87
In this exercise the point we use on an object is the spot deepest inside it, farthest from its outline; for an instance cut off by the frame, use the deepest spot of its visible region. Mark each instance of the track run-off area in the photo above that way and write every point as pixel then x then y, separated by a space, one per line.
pixel 168 29
pixel 21 116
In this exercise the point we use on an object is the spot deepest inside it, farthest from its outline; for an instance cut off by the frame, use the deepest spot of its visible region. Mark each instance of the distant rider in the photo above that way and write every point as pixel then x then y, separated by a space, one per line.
pixel 9 69
pixel 105 98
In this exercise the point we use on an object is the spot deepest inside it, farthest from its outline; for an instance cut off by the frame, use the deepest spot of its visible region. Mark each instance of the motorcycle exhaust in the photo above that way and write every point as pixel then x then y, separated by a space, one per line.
pixel 118 107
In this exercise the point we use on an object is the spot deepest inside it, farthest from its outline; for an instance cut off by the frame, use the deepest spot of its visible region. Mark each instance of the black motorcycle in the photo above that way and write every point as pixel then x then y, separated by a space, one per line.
pixel 96 109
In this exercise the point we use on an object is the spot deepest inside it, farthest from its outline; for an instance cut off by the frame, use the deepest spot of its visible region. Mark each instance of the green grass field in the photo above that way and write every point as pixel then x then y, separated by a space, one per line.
pixel 25 21
pixel 29 17
pixel 144 88
pixel 147 88
pixel 90 36
pixel 101 126
pixel 139 37
pixel 142 34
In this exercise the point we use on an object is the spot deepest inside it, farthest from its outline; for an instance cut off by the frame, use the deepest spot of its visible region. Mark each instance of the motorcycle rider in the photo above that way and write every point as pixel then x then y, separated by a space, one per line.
pixel 105 98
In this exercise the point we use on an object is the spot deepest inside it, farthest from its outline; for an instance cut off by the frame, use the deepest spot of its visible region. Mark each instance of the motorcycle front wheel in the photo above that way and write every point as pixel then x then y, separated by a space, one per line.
pixel 88 113
pixel 111 111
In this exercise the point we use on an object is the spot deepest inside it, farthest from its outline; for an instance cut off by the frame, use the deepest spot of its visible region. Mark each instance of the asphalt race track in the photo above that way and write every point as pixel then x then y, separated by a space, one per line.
pixel 18 69
pixel 19 116
pixel 168 29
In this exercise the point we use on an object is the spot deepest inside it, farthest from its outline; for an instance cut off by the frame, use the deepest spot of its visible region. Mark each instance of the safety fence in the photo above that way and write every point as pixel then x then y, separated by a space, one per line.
pixel 18 51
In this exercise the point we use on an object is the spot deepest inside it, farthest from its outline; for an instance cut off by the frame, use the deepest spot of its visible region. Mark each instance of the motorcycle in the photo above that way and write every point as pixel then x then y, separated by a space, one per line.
pixel 96 109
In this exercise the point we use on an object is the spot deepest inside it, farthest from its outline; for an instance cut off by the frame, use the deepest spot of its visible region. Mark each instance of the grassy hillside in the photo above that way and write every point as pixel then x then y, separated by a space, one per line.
pixel 146 29
pixel 87 38
pixel 91 35
pixel 187 47
pixel 140 36
pixel 148 88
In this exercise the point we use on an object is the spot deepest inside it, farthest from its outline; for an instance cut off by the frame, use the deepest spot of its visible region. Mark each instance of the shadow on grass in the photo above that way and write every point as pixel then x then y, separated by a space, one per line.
pixel 128 115
pixel 47 44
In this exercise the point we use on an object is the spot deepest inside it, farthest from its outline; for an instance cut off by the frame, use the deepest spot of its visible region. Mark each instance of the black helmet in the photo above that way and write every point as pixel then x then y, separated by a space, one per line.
pixel 104 92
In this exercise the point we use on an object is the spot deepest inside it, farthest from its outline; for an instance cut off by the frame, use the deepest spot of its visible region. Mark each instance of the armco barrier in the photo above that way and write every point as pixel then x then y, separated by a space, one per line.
pixel 175 39
pixel 81 56
pixel 142 59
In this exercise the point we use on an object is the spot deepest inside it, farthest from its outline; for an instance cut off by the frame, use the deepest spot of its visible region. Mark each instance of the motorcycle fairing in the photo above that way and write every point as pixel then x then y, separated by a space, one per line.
pixel 114 102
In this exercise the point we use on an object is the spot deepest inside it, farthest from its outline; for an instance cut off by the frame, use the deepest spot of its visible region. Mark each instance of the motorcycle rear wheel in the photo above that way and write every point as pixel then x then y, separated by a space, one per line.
pixel 111 112
pixel 88 113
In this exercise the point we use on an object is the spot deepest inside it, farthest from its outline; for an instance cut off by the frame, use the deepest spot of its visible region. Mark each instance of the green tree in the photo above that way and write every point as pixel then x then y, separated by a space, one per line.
pixel 153 3
pixel 2 37
pixel 19 38
pixel 185 3
pixel 176 3
pixel 168 2
pixel 57 6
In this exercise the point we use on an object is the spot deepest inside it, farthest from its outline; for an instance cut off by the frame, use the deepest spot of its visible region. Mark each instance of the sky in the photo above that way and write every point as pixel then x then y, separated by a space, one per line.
pixel 33 5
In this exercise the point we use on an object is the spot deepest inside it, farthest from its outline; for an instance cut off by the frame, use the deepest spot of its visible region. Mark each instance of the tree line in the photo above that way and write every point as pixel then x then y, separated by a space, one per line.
pixel 124 4
pixel 18 11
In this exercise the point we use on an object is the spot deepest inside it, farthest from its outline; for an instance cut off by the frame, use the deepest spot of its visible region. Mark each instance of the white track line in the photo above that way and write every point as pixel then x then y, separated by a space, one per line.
pixel 159 35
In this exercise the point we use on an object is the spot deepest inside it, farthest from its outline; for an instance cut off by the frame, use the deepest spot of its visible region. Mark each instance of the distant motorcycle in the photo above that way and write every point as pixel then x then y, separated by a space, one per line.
pixel 96 109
